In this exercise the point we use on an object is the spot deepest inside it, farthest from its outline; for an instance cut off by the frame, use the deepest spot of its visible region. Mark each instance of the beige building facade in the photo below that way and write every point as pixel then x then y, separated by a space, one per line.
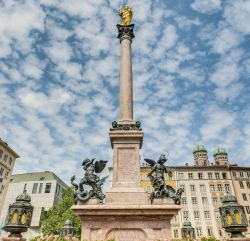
pixel 45 190
pixel 241 182
pixel 205 184
pixel 7 161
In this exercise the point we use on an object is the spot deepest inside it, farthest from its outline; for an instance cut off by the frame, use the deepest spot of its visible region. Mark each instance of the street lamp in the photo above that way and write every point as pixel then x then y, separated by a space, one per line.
pixel 19 215
pixel 67 229
pixel 233 217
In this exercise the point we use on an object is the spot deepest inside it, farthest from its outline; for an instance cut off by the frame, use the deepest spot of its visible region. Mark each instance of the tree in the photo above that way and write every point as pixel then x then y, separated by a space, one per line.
pixel 54 219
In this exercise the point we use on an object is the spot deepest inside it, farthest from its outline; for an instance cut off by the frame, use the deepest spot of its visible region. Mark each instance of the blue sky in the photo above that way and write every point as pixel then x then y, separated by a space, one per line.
pixel 59 79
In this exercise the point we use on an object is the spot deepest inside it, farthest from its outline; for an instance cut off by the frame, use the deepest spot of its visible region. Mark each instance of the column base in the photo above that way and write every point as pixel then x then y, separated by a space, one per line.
pixel 126 222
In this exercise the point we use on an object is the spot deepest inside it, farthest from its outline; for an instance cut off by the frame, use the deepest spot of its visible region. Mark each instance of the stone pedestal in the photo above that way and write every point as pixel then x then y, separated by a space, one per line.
pixel 127 214
pixel 12 239
pixel 238 239
pixel 126 222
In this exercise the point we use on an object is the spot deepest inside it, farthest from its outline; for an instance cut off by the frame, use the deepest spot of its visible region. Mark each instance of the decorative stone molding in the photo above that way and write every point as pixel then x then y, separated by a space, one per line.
pixel 126 127
pixel 125 31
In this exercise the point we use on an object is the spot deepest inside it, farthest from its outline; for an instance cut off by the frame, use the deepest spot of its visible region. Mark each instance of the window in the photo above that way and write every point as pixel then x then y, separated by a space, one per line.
pixel 247 209
pixel 6 174
pixel 180 176
pixel 248 184
pixel 142 177
pixel 244 196
pixel 217 215
pixel 35 185
pixel 198 231
pixel 219 187
pixel 207 214
pixel 10 161
pixel 202 188
pixel 224 175
pixel 194 200
pixel 5 158
pixel 183 187
pixel 184 200
pixel 47 187
pixel 204 200
pixel 212 187
pixel 215 200
pixel 176 233
pixel 210 231
pixel 185 215
pixel 148 189
pixel 196 214
pixel 200 175
pixel 217 175
pixel 190 175
pixel 227 188
pixel 241 174
pixel 1 153
pixel 59 190
pixel 210 176
pixel 241 184
pixel 234 173
pixel 1 171
pixel 2 189
pixel 40 188
pixel 248 174
pixel 192 188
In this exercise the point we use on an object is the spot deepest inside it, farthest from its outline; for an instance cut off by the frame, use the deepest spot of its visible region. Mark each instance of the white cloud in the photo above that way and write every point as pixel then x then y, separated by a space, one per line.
pixel 17 20
pixel 237 13
pixel 217 121
pixel 206 6
pixel 225 40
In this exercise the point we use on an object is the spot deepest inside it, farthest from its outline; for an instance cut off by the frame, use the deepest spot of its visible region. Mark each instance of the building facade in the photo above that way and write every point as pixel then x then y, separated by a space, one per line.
pixel 7 161
pixel 45 190
pixel 205 184
pixel 241 182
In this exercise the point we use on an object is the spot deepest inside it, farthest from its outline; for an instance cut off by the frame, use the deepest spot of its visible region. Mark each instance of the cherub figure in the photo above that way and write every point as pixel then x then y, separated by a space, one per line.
pixel 91 179
pixel 156 175
pixel 126 15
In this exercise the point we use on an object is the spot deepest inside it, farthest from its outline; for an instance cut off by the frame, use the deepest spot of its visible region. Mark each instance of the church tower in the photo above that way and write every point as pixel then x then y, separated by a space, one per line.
pixel 220 156
pixel 200 156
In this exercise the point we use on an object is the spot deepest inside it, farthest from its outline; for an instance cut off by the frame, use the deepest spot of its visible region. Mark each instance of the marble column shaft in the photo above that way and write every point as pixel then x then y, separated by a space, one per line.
pixel 126 81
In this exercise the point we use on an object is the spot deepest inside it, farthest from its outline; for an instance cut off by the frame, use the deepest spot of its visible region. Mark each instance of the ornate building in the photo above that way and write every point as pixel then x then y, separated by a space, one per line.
pixel 7 161
pixel 205 185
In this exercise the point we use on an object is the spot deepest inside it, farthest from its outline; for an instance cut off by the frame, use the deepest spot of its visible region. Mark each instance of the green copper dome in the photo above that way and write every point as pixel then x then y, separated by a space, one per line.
pixel 220 151
pixel 199 148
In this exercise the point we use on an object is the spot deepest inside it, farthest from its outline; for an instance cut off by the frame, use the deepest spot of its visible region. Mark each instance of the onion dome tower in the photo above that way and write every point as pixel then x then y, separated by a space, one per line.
pixel 200 156
pixel 220 156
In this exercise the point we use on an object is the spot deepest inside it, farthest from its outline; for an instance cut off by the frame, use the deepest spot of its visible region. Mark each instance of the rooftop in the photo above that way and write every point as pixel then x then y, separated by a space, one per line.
pixel 6 146
pixel 36 176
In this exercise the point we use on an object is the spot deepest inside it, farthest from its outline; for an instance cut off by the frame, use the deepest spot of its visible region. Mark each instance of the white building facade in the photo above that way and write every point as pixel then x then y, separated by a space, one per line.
pixel 45 190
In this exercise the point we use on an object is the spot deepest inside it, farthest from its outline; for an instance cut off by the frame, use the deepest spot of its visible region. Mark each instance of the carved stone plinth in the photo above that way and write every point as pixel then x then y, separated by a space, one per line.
pixel 12 239
pixel 126 222
pixel 238 239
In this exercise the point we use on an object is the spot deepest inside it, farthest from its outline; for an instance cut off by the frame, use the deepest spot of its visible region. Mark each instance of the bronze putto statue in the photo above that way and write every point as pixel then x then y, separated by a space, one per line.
pixel 90 179
pixel 156 175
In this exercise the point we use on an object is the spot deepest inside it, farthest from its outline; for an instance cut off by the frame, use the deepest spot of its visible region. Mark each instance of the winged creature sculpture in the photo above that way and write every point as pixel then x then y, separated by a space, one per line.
pixel 91 168
pixel 156 175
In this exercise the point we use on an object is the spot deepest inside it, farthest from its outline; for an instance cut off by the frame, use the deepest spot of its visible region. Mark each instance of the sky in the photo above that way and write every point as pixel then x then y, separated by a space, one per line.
pixel 59 79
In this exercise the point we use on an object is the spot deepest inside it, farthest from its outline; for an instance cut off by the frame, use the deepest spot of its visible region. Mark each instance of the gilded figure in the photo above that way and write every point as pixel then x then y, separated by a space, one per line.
pixel 126 15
